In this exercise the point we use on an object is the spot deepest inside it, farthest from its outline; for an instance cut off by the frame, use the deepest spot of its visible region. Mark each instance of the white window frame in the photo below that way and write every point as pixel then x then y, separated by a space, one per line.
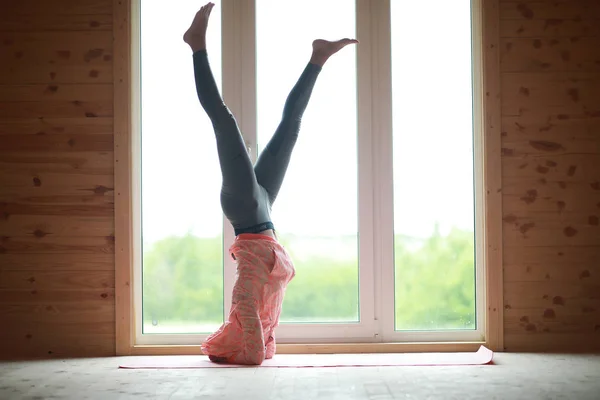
pixel 375 178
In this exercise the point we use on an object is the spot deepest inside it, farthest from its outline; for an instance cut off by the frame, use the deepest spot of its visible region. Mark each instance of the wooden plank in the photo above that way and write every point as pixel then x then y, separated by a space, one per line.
pixel 562 312
pixel 56 245
pixel 519 186
pixel 43 296
pixel 559 255
pixel 58 22
pixel 23 328
pixel 57 142
pixel 552 342
pixel 544 9
pixel 76 183
pixel 52 198
pixel 544 200
pixel 60 317
pixel 57 48
pixel 552 229
pixel 53 126
pixel 548 150
pixel 88 162
pixel 523 194
pixel 534 124
pixel 552 320
pixel 57 280
pixel 492 162
pixel 549 55
pixel 55 74
pixel 67 225
pixel 550 294
pixel 62 262
pixel 59 109
pixel 572 93
pixel 51 93
pixel 56 7
pixel 59 345
pixel 548 137
pixel 519 163
pixel 553 270
pixel 85 210
pixel 524 199
pixel 549 28
pixel 122 25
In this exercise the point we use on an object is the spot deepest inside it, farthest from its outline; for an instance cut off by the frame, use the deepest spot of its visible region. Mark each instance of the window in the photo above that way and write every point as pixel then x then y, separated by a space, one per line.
pixel 181 224
pixel 434 164
pixel 382 204
pixel 316 211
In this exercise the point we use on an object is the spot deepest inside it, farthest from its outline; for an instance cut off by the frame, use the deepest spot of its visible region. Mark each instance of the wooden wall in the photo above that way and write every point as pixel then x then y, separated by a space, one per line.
pixel 550 85
pixel 56 176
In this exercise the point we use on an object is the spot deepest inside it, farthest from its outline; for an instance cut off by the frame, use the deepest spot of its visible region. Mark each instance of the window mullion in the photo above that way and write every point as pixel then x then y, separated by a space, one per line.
pixel 381 78
pixel 368 272
pixel 239 93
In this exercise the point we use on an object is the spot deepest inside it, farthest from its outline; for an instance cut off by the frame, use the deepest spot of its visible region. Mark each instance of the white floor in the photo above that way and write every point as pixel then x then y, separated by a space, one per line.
pixel 515 376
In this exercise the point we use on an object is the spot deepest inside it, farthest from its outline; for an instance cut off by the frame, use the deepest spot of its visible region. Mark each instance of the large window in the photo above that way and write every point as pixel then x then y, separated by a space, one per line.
pixel 182 268
pixel 316 212
pixel 381 207
pixel 434 219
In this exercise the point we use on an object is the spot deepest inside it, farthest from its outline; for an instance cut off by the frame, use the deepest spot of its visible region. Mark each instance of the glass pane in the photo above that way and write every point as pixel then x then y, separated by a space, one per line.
pixel 433 165
pixel 181 215
pixel 315 213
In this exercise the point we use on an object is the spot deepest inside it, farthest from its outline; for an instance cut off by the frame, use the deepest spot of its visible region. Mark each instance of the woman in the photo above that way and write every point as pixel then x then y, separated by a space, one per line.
pixel 264 268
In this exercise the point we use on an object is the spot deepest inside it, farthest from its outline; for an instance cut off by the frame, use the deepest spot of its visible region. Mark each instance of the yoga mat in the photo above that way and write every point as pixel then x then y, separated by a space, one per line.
pixel 481 357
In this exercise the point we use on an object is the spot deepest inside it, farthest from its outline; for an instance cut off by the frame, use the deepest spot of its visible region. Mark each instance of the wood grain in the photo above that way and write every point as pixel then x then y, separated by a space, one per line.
pixel 57 142
pixel 61 226
pixel 576 342
pixel 123 150
pixel 551 27
pixel 570 94
pixel 56 7
pixel 54 126
pixel 63 262
pixel 56 280
pixel 58 344
pixel 578 54
pixel 50 93
pixel 54 296
pixel 74 162
pixel 550 60
pixel 545 9
pixel 565 256
pixel 556 271
pixel 56 245
pixel 58 23
pixel 491 96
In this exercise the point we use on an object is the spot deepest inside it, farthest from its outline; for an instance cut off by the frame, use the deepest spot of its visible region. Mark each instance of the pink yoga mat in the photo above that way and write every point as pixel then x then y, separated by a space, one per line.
pixel 481 357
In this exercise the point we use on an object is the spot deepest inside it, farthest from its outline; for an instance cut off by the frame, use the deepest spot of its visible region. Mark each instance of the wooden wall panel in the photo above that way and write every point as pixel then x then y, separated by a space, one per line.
pixel 56 179
pixel 550 79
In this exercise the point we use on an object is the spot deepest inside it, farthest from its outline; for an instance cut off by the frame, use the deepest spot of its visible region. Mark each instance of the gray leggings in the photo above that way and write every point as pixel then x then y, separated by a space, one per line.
pixel 248 191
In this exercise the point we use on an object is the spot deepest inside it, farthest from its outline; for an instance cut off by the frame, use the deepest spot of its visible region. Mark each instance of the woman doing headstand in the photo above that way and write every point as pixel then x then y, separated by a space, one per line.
pixel 264 268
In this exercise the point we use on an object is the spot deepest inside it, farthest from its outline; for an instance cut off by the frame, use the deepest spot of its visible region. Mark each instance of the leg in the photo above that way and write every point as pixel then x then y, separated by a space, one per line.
pixel 274 160
pixel 239 180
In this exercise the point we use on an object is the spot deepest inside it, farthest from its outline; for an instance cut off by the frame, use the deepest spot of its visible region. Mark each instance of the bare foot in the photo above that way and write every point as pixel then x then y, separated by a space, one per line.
pixel 195 36
pixel 323 49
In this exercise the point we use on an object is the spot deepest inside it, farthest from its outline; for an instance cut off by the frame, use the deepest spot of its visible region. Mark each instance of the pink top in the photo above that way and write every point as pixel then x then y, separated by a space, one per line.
pixel 264 269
